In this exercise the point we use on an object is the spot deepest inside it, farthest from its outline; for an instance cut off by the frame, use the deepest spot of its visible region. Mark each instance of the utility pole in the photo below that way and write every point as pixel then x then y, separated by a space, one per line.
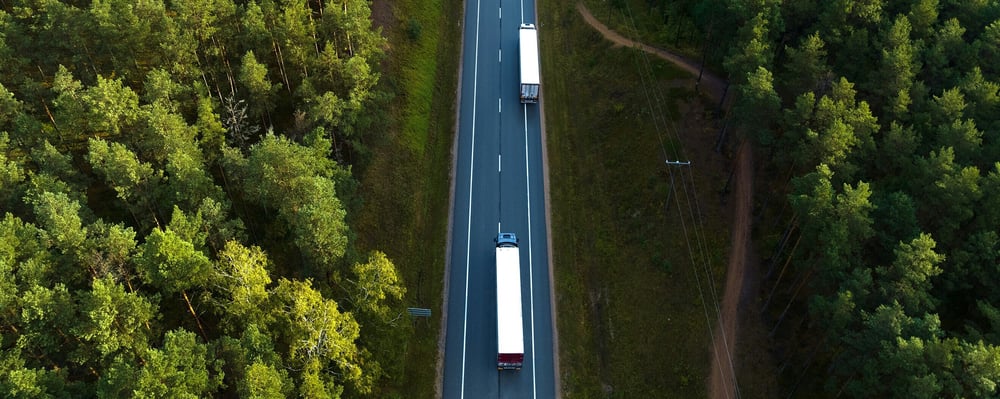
pixel 670 193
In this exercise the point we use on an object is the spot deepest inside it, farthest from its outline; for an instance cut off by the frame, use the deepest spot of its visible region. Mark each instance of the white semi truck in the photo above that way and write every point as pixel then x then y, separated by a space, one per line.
pixel 510 326
pixel 530 80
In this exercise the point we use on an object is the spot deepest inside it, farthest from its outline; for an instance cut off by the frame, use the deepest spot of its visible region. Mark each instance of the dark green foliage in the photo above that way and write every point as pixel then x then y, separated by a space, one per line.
pixel 886 147
pixel 153 242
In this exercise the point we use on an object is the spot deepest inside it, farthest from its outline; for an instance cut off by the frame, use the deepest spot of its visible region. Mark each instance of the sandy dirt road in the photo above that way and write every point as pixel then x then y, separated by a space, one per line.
pixel 722 380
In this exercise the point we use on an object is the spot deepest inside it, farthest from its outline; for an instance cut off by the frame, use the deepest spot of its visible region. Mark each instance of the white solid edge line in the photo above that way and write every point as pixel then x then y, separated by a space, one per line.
pixel 468 227
pixel 531 277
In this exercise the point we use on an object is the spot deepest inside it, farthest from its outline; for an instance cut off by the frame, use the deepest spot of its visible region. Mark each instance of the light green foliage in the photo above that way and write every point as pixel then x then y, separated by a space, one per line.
pixel 756 53
pixel 273 167
pixel 255 30
pixel 11 172
pixel 188 228
pixel 9 106
pixel 173 142
pixel 963 137
pixel 983 364
pixel 923 14
pixel 897 355
pixel 44 310
pixel 219 224
pixel 262 382
pixel 315 385
pixel 362 79
pixel 181 369
pixel 350 21
pixel 8 286
pixel 327 108
pixel 60 217
pixel 51 161
pixel 318 335
pixel 110 106
pixel 161 89
pixel 24 246
pixel 377 285
pixel 110 249
pixel 320 229
pixel 126 30
pixel 899 59
pixel 71 110
pixel 758 93
pixel 18 380
pixel 212 135
pixel 115 321
pixel 119 377
pixel 134 181
pixel 165 133
pixel 241 274
pixel 126 214
pixel 258 345
pixel 253 76
pixel 868 11
pixel 251 363
pixel 295 30
pixel 830 130
pixel 188 181
pixel 201 18
pixel 172 263
pixel 294 180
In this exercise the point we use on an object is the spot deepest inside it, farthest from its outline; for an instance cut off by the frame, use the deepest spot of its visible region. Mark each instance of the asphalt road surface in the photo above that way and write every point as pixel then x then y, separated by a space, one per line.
pixel 498 187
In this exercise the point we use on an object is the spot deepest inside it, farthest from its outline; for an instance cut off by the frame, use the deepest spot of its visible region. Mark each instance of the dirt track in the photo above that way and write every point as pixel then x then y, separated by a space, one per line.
pixel 713 86
pixel 721 381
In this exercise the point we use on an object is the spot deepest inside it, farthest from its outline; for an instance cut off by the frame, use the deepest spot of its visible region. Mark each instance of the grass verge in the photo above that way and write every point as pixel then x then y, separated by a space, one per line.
pixel 405 184
pixel 634 280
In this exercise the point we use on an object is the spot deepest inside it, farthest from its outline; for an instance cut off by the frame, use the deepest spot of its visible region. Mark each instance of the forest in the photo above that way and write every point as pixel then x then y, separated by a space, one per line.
pixel 877 124
pixel 175 197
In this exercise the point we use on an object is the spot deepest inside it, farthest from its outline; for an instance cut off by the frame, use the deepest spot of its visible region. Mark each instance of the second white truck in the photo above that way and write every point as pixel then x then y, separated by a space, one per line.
pixel 510 327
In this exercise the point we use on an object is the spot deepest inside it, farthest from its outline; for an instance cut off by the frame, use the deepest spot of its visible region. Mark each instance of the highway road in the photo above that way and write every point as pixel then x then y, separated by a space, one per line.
pixel 498 187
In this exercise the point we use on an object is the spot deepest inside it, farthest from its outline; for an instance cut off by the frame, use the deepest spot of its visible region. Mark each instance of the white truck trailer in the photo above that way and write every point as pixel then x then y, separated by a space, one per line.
pixel 530 80
pixel 510 326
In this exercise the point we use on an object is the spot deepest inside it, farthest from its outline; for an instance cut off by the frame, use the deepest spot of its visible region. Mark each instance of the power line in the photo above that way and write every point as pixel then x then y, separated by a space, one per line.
pixel 695 211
